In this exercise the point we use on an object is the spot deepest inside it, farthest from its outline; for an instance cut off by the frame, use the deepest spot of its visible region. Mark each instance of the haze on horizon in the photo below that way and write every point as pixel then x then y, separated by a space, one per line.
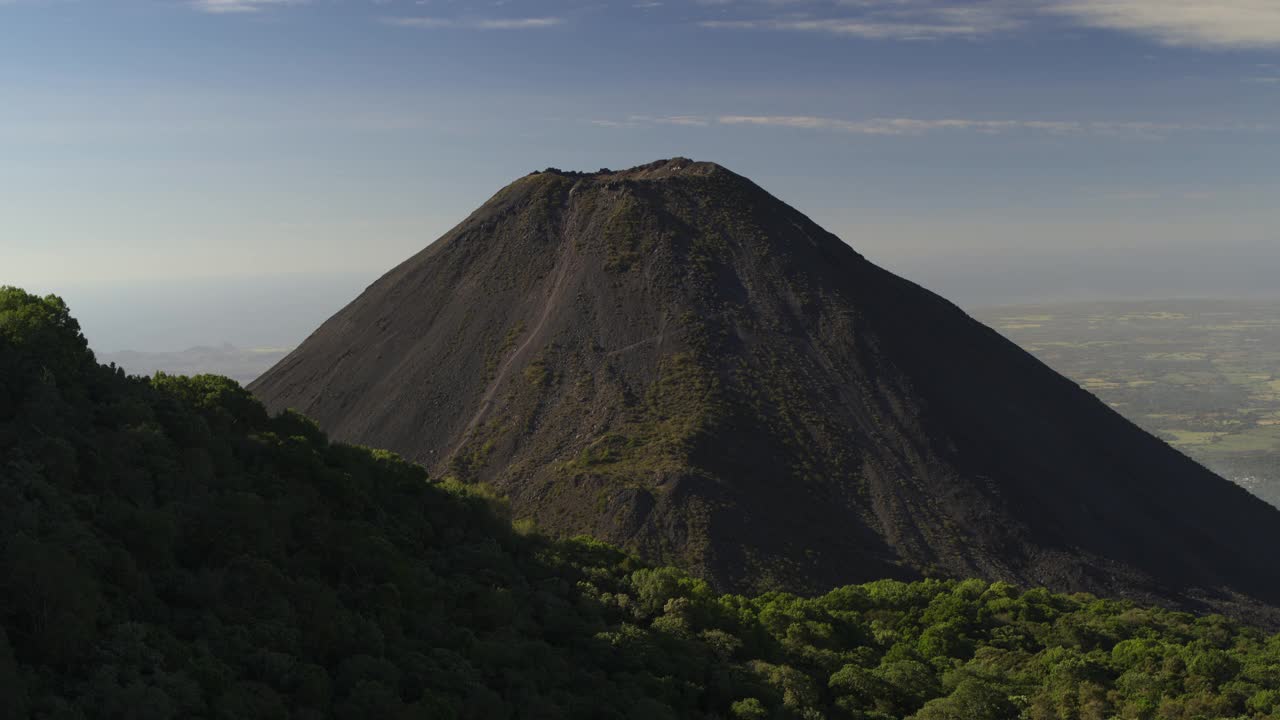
pixel 193 172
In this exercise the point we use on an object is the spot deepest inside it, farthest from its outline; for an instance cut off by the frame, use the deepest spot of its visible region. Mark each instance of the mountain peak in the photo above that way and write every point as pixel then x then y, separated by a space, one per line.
pixel 657 170
pixel 697 372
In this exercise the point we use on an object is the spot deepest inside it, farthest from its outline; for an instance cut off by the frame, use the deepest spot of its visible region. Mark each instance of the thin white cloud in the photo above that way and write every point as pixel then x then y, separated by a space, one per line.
pixel 219 7
pixel 516 23
pixel 885 20
pixel 636 121
pixel 1213 24
pixel 687 120
pixel 1218 24
pixel 919 126
pixel 853 28
pixel 431 23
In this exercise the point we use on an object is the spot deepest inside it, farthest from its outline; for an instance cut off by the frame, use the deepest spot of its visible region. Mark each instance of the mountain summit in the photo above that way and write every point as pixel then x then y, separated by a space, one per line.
pixel 673 360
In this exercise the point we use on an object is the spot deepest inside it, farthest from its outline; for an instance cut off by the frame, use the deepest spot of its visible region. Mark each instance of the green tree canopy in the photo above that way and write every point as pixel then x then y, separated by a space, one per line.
pixel 169 550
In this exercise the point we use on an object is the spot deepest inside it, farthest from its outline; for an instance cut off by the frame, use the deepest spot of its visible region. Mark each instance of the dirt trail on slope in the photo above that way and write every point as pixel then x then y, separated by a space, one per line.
pixel 550 304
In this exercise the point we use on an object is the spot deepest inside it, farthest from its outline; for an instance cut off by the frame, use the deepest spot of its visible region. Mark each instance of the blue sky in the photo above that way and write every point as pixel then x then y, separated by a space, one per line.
pixel 157 144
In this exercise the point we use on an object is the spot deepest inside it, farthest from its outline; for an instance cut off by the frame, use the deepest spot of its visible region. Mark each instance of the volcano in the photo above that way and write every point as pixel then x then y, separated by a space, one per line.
pixel 672 360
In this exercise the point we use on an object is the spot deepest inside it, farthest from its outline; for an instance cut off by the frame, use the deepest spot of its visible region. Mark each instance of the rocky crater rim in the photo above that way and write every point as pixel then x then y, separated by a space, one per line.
pixel 657 170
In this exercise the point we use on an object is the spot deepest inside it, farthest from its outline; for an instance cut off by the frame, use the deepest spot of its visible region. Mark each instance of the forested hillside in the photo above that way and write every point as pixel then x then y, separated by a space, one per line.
pixel 168 550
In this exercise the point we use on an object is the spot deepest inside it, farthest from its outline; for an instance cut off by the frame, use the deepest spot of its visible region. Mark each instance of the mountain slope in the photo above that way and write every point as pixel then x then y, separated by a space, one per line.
pixel 671 359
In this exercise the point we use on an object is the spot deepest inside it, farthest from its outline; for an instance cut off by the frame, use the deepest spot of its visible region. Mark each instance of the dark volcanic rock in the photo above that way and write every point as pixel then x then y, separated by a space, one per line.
pixel 673 360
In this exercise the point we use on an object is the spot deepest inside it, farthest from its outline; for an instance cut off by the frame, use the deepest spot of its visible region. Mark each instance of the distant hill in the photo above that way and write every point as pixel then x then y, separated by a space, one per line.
pixel 236 363
pixel 670 359
pixel 168 550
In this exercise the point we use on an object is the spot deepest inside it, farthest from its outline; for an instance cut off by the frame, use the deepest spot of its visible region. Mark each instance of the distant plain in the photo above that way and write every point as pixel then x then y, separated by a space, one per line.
pixel 239 364
pixel 1204 375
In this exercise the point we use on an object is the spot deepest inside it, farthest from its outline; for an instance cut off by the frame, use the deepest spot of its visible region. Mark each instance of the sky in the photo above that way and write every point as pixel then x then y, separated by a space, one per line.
pixel 197 171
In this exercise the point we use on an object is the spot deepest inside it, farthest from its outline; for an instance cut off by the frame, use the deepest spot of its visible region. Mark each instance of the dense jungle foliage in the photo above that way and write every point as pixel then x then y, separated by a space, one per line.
pixel 167 550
